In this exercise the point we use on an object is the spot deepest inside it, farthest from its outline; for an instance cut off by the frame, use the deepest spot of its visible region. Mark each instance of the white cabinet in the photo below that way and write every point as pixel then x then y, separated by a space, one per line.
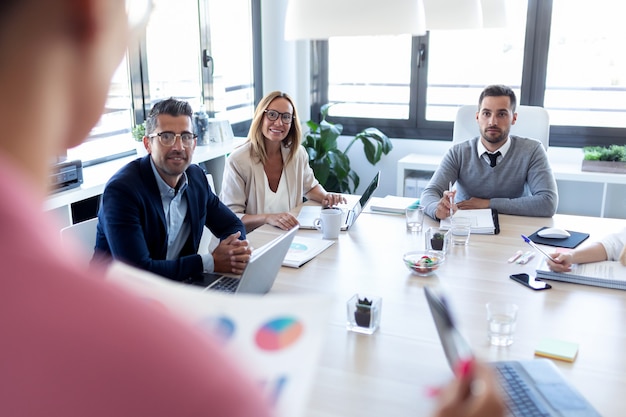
pixel 413 172
pixel 580 193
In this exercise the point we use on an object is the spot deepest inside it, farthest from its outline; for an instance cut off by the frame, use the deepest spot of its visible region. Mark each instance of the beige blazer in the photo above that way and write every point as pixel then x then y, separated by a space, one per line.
pixel 243 188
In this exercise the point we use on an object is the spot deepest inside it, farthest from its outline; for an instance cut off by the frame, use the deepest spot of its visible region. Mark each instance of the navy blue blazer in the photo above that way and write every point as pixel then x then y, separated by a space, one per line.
pixel 132 227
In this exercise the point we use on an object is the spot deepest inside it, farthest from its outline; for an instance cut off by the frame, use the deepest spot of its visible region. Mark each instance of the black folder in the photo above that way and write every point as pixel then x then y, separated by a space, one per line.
pixel 496 221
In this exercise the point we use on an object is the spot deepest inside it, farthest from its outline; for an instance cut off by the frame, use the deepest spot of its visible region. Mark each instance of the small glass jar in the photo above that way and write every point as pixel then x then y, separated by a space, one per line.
pixel 436 239
pixel 363 313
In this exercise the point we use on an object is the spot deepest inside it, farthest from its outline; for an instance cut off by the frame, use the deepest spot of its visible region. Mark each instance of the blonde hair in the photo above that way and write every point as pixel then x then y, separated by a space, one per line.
pixel 255 134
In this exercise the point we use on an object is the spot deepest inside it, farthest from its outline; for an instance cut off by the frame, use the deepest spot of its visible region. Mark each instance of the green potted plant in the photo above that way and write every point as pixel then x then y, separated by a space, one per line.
pixel 436 242
pixel 331 165
pixel 364 314
pixel 436 239
pixel 138 132
pixel 605 158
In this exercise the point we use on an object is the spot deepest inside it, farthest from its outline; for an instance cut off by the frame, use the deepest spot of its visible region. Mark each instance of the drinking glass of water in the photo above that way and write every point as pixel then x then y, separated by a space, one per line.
pixel 414 218
pixel 501 320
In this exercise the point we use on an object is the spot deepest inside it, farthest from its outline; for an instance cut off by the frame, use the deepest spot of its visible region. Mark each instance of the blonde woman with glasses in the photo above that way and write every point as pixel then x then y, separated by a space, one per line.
pixel 269 174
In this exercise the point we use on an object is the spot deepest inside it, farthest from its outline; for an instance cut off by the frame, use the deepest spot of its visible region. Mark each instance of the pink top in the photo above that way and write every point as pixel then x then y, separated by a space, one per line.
pixel 74 345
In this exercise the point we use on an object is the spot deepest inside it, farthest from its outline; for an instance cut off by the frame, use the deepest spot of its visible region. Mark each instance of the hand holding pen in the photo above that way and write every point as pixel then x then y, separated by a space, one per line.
pixel 562 262
pixel 446 204
pixel 537 248
pixel 473 393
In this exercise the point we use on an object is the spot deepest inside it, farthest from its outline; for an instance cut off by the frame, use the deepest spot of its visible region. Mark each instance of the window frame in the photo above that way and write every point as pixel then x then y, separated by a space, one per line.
pixel 137 65
pixel 534 73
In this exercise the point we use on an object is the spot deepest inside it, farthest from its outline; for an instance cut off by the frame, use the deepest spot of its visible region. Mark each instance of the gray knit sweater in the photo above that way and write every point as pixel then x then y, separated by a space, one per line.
pixel 522 183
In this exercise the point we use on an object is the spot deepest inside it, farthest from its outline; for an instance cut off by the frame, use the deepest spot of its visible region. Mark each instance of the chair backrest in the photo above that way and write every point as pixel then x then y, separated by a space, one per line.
pixel 83 234
pixel 208 242
pixel 209 178
pixel 532 122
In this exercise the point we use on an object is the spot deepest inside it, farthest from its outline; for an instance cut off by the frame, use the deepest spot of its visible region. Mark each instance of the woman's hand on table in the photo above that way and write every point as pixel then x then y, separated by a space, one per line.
pixel 285 221
pixel 333 199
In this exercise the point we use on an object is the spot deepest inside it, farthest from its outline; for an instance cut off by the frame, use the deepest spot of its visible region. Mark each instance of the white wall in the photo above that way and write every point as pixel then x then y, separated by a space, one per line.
pixel 286 64
pixel 388 164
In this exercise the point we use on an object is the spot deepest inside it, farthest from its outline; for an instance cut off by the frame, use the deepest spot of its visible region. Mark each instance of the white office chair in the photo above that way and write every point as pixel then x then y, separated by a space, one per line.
pixel 209 178
pixel 208 242
pixel 83 234
pixel 532 122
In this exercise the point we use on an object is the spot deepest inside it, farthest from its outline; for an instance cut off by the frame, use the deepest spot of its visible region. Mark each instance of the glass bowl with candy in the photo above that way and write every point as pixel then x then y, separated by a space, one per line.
pixel 423 263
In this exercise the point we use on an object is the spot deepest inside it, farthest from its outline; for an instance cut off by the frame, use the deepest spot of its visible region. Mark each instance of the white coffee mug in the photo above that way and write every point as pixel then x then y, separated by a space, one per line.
pixel 329 222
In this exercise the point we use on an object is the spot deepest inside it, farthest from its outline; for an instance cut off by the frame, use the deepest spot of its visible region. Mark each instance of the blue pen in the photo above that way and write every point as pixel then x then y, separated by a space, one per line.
pixel 531 243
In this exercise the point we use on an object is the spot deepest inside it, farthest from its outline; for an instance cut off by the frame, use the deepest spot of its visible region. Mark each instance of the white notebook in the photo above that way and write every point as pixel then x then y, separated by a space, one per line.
pixel 483 221
pixel 393 204
pixel 303 249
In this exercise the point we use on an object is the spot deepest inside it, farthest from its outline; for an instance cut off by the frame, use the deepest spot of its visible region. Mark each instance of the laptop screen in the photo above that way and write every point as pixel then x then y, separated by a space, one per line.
pixel 367 194
pixel 454 345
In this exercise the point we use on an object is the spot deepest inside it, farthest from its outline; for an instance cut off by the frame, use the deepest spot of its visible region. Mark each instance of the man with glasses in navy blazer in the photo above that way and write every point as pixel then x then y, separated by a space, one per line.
pixel 155 208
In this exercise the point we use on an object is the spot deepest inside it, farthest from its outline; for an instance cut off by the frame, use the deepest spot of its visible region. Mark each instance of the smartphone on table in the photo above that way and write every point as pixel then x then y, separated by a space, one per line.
pixel 530 282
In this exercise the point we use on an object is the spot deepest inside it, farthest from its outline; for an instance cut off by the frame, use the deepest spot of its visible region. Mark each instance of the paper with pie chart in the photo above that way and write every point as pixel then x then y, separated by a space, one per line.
pixel 275 338
pixel 303 249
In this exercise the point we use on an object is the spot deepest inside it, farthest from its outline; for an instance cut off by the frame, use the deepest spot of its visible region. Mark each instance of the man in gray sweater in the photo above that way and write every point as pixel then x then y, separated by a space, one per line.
pixel 494 170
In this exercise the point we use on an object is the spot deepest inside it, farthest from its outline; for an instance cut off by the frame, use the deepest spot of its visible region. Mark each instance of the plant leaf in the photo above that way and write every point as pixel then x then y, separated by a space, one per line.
pixel 330 165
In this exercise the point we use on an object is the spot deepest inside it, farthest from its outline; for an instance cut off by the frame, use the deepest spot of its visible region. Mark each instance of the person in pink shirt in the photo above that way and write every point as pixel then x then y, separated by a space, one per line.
pixel 74 344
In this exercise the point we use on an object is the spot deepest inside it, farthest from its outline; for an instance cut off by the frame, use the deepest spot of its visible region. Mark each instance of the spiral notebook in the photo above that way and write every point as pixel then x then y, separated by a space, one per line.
pixel 607 274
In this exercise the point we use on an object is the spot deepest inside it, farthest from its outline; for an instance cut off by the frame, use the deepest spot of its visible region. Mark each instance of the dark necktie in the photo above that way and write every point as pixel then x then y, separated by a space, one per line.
pixel 493 157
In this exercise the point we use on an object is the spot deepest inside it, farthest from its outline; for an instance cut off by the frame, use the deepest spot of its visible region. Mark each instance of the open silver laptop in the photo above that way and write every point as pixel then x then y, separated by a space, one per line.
pixel 261 271
pixel 532 387
pixel 308 214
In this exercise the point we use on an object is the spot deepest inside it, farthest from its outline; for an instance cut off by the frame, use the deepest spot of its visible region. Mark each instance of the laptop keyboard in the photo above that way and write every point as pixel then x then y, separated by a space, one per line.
pixel 521 400
pixel 226 284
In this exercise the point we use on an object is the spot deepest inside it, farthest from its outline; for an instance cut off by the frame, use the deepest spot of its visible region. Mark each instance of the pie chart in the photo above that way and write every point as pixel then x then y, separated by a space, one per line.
pixel 297 247
pixel 278 334
pixel 222 327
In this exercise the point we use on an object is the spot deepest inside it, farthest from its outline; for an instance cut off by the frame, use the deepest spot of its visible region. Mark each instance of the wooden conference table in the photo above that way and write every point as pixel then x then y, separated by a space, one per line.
pixel 387 373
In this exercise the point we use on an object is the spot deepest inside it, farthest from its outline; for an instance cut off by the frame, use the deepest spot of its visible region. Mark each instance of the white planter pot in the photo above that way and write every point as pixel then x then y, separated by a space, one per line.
pixel 141 149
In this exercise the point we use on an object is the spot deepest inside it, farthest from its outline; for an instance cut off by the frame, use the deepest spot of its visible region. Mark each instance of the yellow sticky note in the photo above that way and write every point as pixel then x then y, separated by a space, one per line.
pixel 557 349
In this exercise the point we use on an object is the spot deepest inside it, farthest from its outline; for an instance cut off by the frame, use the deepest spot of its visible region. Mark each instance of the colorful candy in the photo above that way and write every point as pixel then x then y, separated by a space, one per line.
pixel 424 265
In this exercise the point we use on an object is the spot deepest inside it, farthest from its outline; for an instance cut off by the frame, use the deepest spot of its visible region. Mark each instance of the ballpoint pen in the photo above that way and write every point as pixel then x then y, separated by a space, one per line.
pixel 531 243
pixel 451 199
